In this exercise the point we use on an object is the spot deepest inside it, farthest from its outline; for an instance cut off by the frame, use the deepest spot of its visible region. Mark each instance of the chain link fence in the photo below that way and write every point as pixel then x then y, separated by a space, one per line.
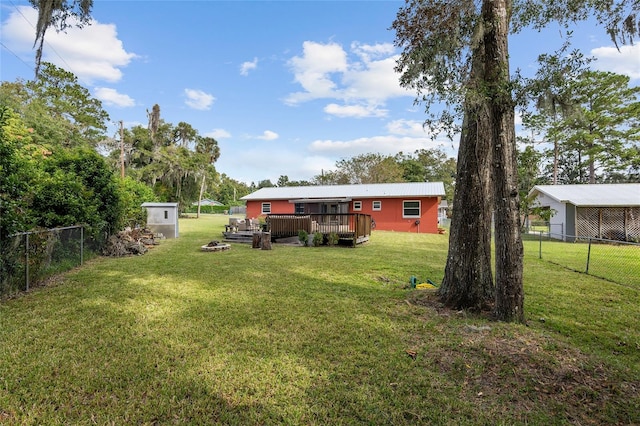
pixel 29 258
pixel 612 260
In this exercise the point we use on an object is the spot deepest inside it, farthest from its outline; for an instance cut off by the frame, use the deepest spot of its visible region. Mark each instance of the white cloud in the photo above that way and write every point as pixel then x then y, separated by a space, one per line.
pixel 362 81
pixel 407 128
pixel 197 99
pixel 268 135
pixel 313 70
pixel 624 61
pixel 93 52
pixel 386 145
pixel 355 111
pixel 218 134
pixel 369 51
pixel 248 66
pixel 112 97
pixel 375 81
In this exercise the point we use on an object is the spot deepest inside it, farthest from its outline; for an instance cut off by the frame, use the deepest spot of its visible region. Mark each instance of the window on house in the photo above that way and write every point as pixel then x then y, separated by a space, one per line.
pixel 411 209
pixel 299 208
pixel 266 208
pixel 376 205
pixel 357 206
pixel 166 214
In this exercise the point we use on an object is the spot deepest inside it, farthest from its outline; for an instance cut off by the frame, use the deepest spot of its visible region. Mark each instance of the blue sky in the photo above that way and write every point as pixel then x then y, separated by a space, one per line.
pixel 286 87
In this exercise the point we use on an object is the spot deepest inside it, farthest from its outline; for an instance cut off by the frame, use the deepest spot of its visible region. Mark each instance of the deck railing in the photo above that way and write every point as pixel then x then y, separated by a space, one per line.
pixel 348 226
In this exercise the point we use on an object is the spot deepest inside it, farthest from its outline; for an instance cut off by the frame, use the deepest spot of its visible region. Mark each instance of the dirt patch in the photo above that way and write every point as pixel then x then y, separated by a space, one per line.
pixel 509 368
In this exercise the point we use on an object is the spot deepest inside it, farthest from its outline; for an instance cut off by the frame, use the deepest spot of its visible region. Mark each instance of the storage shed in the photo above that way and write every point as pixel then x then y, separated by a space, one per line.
pixel 608 211
pixel 163 218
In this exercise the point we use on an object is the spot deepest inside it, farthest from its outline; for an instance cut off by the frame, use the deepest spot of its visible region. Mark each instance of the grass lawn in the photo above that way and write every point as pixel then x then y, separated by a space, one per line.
pixel 311 336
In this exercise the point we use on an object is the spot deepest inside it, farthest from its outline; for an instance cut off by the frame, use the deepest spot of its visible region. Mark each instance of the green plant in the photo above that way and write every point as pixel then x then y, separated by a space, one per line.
pixel 318 239
pixel 333 239
pixel 303 236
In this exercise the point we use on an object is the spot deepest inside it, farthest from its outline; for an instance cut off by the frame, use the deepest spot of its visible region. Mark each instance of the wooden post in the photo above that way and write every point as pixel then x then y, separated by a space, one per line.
pixel 256 240
pixel 265 243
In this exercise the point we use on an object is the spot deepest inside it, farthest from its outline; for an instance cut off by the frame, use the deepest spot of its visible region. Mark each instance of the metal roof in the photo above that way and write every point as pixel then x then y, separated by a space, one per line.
pixel 377 190
pixel 594 195
pixel 159 204
pixel 207 202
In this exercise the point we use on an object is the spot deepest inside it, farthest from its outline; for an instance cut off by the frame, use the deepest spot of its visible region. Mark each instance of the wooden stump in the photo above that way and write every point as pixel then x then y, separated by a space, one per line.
pixel 265 243
pixel 256 240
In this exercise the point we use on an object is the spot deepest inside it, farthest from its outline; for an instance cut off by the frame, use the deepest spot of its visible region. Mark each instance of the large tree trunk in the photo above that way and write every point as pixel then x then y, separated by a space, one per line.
pixel 200 196
pixel 509 280
pixel 468 282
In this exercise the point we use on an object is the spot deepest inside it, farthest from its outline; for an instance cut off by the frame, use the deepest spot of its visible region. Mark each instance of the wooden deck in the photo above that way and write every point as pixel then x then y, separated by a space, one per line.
pixel 354 228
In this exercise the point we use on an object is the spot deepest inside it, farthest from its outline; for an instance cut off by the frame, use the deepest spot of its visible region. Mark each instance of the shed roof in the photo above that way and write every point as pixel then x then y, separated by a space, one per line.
pixel 159 204
pixel 594 195
pixel 378 190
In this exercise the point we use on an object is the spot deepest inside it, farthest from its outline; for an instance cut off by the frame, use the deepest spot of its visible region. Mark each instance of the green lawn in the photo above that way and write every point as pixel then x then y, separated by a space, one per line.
pixel 311 336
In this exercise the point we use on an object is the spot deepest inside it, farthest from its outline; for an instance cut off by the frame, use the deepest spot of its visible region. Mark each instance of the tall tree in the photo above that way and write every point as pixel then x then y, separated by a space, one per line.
pixel 65 99
pixel 429 165
pixel 551 97
pixel 456 52
pixel 56 13
pixel 364 168
pixel 606 122
pixel 442 61
pixel 60 110
pixel 209 152
pixel 509 306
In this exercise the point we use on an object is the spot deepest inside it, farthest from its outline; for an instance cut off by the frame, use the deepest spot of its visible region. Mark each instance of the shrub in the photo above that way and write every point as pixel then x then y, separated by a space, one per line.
pixel 133 194
pixel 78 188
pixel 318 239
pixel 303 236
pixel 333 239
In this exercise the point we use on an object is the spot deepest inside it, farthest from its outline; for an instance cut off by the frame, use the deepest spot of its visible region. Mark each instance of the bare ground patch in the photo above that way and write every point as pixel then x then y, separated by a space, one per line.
pixel 508 368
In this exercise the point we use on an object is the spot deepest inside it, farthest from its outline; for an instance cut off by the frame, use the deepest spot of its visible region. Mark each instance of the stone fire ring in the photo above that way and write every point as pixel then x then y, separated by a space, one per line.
pixel 219 247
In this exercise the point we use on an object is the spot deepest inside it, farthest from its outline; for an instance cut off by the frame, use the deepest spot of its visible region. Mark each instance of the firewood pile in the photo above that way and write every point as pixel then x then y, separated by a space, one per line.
pixel 129 242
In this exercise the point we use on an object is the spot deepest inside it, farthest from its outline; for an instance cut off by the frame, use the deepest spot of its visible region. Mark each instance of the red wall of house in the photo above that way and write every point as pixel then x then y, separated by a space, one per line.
pixel 389 218
pixel 254 208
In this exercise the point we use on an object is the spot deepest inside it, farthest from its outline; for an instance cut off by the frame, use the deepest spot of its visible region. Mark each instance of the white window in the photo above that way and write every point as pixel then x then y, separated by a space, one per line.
pixel 266 208
pixel 357 206
pixel 376 205
pixel 411 208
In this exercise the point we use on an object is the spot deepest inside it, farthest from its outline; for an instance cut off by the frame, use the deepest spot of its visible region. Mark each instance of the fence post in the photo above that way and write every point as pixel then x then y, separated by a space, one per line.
pixel 588 257
pixel 81 245
pixel 540 248
pixel 26 256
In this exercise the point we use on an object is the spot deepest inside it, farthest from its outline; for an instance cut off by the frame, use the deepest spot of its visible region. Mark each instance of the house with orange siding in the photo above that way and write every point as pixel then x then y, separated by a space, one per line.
pixel 401 207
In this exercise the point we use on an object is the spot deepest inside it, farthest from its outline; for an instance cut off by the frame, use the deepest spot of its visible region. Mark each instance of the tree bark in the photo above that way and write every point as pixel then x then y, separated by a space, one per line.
pixel 256 240
pixel 509 252
pixel 265 241
pixel 200 196
pixel 468 282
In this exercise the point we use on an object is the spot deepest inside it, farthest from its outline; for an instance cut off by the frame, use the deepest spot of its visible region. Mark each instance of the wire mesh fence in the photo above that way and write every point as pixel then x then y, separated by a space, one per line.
pixel 29 258
pixel 612 260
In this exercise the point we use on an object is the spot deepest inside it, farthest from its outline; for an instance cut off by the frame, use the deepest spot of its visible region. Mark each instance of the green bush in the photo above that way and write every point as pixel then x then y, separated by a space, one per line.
pixel 333 239
pixel 133 193
pixel 303 236
pixel 318 239
pixel 78 188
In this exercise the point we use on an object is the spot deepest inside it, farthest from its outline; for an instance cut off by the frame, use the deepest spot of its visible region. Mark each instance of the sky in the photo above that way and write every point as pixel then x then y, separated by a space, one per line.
pixel 287 88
